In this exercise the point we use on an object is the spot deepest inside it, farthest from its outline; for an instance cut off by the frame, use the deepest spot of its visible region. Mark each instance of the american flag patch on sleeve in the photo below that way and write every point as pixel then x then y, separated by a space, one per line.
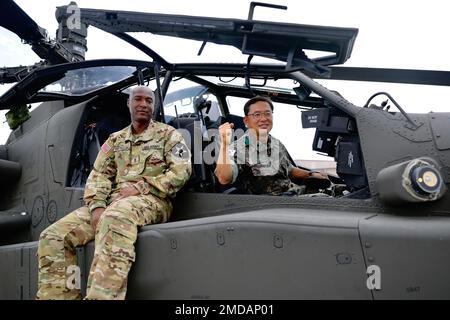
pixel 105 147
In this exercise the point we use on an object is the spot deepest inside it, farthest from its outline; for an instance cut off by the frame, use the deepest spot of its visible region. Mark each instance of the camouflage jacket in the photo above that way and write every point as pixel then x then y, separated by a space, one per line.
pixel 156 162
pixel 263 168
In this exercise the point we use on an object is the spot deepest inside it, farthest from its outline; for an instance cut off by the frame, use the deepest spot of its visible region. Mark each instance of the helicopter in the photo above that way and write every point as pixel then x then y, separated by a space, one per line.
pixel 379 230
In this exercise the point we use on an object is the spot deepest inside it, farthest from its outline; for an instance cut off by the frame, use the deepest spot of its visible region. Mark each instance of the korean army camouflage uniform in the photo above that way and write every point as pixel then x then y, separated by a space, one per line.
pixel 156 162
pixel 263 168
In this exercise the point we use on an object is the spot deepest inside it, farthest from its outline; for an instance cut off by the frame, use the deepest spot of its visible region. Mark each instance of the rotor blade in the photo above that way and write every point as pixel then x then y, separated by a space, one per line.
pixel 15 74
pixel 13 18
pixel 409 76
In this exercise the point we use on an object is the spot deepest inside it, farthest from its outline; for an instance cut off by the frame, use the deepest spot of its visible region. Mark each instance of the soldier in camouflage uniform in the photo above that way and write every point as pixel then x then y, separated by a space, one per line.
pixel 261 160
pixel 136 174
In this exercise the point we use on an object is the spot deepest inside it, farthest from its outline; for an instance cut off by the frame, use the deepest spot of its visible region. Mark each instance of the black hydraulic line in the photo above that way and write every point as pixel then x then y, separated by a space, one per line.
pixel 403 112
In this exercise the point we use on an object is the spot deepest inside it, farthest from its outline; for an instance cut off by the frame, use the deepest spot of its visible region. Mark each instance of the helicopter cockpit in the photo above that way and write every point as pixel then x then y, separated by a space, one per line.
pixel 197 111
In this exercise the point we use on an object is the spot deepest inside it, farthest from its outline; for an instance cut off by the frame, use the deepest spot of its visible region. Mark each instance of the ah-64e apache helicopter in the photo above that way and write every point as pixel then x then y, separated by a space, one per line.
pixel 386 211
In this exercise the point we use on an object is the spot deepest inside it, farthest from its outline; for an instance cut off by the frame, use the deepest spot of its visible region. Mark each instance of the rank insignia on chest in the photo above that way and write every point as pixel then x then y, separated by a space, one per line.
pixel 135 160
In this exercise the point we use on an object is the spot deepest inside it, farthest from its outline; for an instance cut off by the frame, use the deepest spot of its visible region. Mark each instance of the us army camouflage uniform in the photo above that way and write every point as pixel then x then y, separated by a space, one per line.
pixel 157 163
pixel 262 167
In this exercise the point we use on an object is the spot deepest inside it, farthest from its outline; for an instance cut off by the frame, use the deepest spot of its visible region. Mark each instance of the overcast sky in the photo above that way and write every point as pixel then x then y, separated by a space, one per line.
pixel 392 34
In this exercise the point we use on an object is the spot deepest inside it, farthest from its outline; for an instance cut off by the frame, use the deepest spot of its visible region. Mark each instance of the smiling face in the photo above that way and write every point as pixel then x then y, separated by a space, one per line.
pixel 259 117
pixel 141 104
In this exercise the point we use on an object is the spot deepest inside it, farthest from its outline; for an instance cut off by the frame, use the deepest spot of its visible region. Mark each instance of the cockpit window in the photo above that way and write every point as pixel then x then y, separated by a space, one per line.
pixel 82 81
pixel 187 99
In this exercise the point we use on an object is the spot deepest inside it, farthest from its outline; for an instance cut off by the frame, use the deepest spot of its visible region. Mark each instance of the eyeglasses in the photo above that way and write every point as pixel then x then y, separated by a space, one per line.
pixel 258 115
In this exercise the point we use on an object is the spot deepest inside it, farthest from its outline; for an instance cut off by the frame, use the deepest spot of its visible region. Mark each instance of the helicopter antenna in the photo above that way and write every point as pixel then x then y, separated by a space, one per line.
pixel 250 17
pixel 254 4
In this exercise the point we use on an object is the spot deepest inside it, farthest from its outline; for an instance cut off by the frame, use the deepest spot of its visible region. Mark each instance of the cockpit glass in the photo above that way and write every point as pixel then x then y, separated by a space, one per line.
pixel 82 81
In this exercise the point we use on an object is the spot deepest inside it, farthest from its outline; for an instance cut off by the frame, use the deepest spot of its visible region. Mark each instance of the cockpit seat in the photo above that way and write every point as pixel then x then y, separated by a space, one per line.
pixel 192 129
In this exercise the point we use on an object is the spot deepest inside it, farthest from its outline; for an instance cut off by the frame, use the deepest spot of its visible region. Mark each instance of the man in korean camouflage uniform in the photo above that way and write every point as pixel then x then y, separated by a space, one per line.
pixel 136 174
pixel 261 160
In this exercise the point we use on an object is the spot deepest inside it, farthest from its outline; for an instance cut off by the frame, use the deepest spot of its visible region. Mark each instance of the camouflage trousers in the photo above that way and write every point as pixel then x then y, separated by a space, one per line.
pixel 114 252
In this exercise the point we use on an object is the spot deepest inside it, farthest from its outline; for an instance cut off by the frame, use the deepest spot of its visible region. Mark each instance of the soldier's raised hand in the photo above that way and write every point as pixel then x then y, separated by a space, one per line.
pixel 226 132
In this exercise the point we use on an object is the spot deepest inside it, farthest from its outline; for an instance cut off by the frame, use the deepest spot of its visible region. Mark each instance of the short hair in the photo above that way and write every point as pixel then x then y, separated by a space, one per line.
pixel 141 87
pixel 257 99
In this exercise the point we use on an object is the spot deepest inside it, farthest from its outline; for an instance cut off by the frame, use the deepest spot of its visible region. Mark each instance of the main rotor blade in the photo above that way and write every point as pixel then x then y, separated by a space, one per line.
pixel 13 18
pixel 409 76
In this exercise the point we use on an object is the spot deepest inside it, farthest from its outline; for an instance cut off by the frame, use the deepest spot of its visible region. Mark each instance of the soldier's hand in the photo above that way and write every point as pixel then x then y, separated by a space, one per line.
pixel 127 192
pixel 226 132
pixel 96 214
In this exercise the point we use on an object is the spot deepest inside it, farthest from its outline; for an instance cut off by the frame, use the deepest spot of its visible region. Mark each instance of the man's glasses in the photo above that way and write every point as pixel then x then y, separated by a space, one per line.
pixel 259 115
